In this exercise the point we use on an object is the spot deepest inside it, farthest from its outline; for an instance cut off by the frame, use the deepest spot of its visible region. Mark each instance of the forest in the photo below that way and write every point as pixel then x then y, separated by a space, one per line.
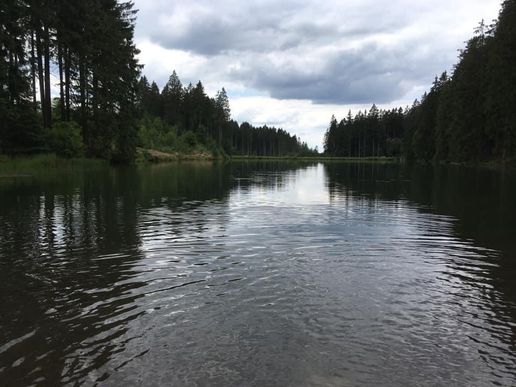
pixel 71 84
pixel 179 118
pixel 468 116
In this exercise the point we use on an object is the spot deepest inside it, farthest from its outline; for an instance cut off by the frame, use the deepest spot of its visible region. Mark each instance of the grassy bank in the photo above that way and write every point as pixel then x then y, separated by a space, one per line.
pixel 509 164
pixel 38 164
pixel 25 166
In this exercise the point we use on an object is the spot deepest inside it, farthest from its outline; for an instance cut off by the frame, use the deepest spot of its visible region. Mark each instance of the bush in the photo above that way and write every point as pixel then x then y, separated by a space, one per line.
pixel 189 139
pixel 64 138
pixel 170 139
pixel 20 128
pixel 150 132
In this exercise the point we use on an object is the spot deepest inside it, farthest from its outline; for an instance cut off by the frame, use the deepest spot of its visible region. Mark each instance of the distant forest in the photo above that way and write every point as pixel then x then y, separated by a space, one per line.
pixel 467 116
pixel 70 83
pixel 178 116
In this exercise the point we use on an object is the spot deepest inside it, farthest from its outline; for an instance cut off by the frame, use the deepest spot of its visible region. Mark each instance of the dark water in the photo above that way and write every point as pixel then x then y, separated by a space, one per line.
pixel 263 274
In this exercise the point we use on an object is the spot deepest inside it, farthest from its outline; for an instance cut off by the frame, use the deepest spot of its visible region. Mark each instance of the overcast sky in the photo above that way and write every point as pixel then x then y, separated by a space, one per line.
pixel 294 63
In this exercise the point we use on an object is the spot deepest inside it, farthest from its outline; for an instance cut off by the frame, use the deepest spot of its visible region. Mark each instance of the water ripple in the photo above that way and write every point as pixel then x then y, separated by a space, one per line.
pixel 275 282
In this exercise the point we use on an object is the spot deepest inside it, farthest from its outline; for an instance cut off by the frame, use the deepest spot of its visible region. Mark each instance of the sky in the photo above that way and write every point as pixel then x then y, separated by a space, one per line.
pixel 294 63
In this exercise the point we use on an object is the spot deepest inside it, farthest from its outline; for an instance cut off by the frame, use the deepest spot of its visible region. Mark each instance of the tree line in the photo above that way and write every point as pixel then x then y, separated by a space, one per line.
pixel 81 52
pixel 372 133
pixel 70 83
pixel 181 117
pixel 469 115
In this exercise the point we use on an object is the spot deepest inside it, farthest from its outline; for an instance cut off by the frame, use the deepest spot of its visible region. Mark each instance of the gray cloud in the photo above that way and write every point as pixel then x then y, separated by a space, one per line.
pixel 358 76
pixel 266 26
pixel 332 52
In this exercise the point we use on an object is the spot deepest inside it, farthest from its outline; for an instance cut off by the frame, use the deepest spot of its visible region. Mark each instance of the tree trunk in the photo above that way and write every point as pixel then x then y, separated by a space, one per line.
pixel 11 79
pixel 48 96
pixel 61 84
pixel 67 83
pixel 33 71
pixel 40 75
pixel 82 86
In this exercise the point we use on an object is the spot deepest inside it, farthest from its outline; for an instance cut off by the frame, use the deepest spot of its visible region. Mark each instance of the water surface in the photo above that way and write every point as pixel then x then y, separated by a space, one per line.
pixel 276 274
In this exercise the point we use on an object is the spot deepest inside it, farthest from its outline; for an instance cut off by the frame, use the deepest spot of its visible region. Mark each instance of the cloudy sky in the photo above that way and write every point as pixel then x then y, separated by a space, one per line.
pixel 294 63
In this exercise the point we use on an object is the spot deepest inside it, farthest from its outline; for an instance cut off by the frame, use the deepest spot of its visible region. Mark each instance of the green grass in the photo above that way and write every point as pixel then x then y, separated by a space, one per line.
pixel 37 164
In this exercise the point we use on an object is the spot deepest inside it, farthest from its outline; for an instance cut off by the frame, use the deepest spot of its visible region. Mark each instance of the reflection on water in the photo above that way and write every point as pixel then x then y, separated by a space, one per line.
pixel 259 274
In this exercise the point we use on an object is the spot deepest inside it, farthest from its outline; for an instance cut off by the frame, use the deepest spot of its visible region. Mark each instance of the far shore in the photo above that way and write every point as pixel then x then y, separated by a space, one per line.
pixel 30 165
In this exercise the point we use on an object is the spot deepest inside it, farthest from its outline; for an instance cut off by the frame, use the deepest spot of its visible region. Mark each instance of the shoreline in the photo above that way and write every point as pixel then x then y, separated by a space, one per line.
pixel 156 156
pixel 317 159
pixel 25 166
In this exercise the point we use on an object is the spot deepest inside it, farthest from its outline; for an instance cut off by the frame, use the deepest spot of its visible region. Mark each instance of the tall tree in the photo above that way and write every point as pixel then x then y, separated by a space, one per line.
pixel 223 113
pixel 501 93
pixel 172 97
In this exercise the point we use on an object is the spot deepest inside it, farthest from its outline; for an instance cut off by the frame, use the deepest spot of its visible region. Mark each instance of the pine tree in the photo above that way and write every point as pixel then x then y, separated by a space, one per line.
pixel 172 97
pixel 330 141
pixel 222 113
pixel 19 127
pixel 468 101
pixel 501 90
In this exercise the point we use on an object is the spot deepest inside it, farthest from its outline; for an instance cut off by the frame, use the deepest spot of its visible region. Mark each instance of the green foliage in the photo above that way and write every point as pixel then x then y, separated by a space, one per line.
pixel 171 100
pixel 126 140
pixel 20 129
pixel 377 133
pixel 470 116
pixel 150 132
pixel 89 44
pixel 154 133
pixel 41 164
pixel 185 119
pixel 188 139
pixel 501 91
pixel 64 139
pixel 170 140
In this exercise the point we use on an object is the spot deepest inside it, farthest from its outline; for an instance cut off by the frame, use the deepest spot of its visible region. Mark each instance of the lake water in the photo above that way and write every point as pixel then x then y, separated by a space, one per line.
pixel 259 274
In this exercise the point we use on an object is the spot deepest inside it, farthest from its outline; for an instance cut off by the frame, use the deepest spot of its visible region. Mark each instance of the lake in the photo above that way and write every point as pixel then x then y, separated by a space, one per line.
pixel 259 274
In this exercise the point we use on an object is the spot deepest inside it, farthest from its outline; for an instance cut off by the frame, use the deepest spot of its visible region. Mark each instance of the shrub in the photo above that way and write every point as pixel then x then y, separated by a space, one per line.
pixel 170 139
pixel 188 139
pixel 64 138
pixel 149 132
pixel 20 128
